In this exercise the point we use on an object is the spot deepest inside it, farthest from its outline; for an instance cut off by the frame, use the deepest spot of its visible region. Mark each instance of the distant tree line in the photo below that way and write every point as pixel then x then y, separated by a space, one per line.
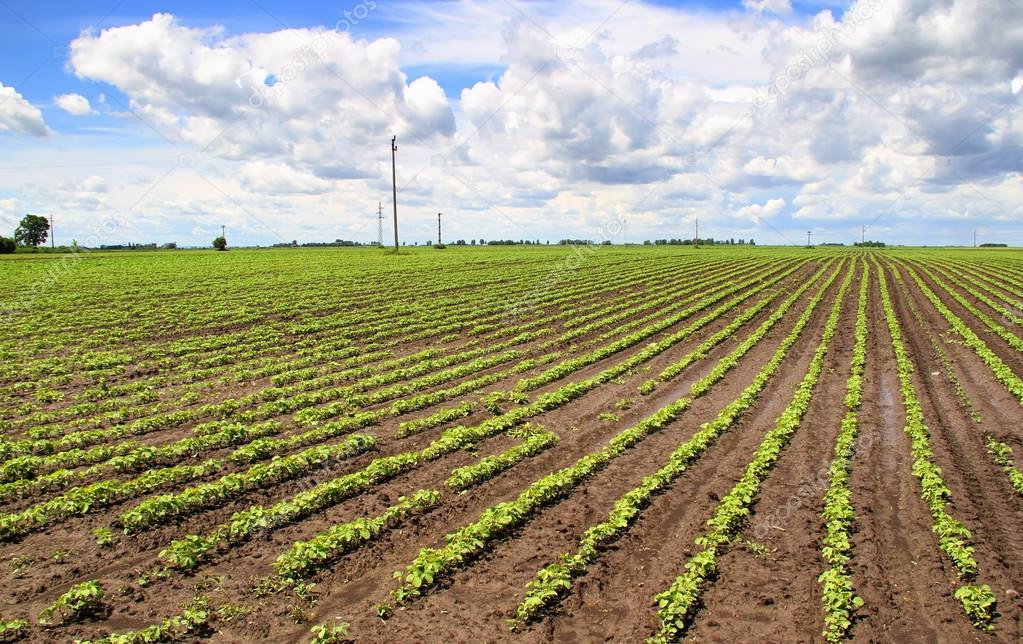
pixel 134 246
pixel 709 241
pixel 33 231
pixel 870 244
pixel 994 245
pixel 336 242
pixel 512 242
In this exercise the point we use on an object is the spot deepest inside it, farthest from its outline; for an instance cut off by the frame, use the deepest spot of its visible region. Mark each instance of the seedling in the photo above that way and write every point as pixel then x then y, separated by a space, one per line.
pixel 80 601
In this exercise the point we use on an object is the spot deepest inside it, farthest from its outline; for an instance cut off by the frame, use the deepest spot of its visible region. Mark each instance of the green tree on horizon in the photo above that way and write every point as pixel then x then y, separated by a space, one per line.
pixel 32 231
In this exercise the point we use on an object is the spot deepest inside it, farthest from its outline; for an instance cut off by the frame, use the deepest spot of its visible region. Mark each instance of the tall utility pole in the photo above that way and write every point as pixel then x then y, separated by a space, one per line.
pixel 974 237
pixel 863 235
pixel 394 190
pixel 697 232
pixel 438 229
pixel 222 233
pixel 53 228
pixel 380 224
pixel 808 233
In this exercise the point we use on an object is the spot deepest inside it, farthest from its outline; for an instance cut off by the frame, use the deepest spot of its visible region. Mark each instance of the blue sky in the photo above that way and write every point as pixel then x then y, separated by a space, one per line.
pixel 540 119
pixel 33 35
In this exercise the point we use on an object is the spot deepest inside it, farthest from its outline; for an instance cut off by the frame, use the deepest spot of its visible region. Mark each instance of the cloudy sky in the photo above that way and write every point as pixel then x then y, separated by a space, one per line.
pixel 161 121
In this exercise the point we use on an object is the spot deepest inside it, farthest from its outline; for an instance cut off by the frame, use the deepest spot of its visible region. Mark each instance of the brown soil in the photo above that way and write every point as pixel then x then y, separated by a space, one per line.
pixel 766 587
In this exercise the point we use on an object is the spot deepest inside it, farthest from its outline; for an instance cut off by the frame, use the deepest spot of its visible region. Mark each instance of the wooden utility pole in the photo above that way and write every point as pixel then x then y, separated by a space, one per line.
pixel 974 237
pixel 53 234
pixel 697 232
pixel 863 235
pixel 438 229
pixel 808 233
pixel 394 189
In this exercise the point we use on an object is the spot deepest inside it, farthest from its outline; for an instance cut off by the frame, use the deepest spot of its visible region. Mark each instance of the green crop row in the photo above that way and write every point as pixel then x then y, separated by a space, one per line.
pixel 218 436
pixel 91 498
pixel 436 419
pixel 837 595
pixel 679 366
pixel 1002 454
pixel 303 558
pixel 953 536
pixel 189 551
pixel 132 456
pixel 161 509
pixel 222 347
pixel 1001 370
pixel 1010 338
pixel 555 580
pixel 537 439
pixel 968 280
pixel 471 540
pixel 559 371
pixel 677 603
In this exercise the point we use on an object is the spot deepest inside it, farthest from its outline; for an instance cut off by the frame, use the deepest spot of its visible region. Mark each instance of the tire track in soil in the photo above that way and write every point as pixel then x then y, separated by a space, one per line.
pixel 897 567
pixel 981 495
pixel 776 595
pixel 357 602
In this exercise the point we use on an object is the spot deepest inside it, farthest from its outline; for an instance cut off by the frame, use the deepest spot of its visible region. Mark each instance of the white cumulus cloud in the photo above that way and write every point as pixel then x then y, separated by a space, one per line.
pixel 313 94
pixel 18 116
pixel 781 7
pixel 75 104
pixel 906 112
pixel 757 211
pixel 280 178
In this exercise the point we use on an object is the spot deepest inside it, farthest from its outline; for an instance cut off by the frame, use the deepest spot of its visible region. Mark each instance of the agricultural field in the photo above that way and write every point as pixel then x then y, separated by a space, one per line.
pixel 512 445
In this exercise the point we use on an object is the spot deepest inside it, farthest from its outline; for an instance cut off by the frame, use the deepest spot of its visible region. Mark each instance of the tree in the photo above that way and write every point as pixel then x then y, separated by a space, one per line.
pixel 7 245
pixel 32 231
pixel 220 243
